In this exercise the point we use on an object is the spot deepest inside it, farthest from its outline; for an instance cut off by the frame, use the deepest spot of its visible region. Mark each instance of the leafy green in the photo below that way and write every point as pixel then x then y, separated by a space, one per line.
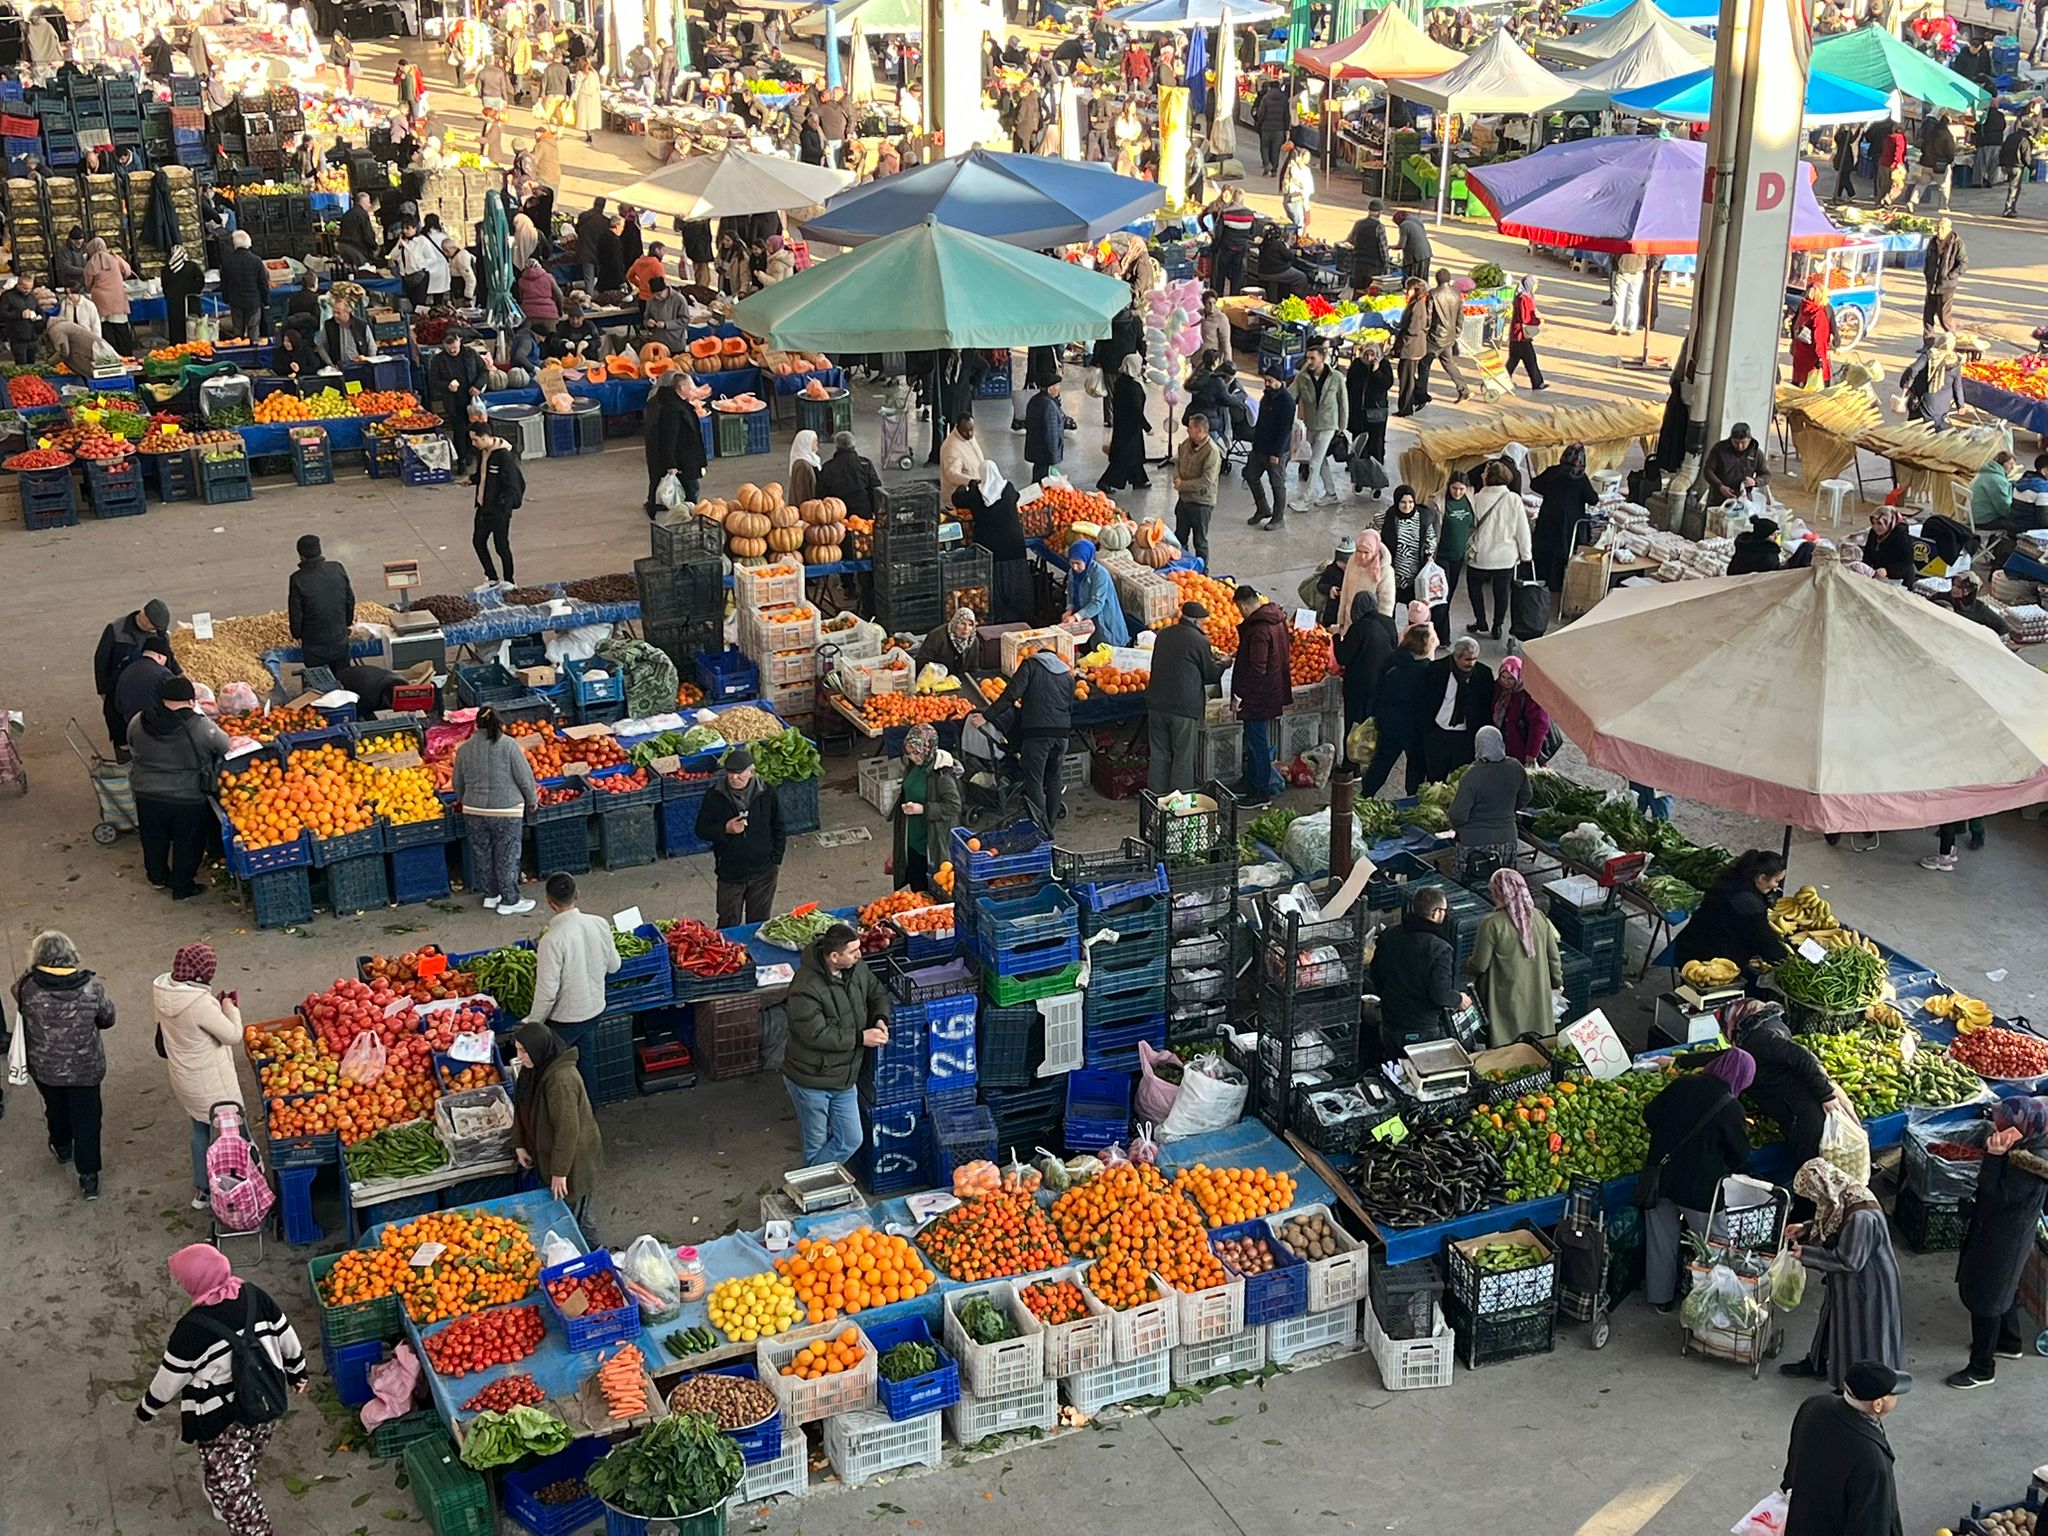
pixel 1376 819
pixel 907 1360
pixel 495 1439
pixel 985 1322
pixel 1270 826
pixel 789 758
pixel 1489 274
pixel 676 1466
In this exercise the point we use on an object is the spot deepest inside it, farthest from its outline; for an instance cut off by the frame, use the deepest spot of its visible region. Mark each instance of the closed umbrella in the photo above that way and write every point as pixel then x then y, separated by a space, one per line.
pixel 1778 696
pixel 1029 200
pixel 495 280
pixel 1198 70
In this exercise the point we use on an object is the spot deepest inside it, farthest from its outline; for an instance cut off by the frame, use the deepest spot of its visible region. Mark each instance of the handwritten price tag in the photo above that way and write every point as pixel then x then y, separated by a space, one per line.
pixel 353 387
pixel 426 1253
pixel 1598 1045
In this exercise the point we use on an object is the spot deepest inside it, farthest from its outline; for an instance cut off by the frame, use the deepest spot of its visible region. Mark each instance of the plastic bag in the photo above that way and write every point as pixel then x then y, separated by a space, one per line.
pixel 1052 1169
pixel 1155 1094
pixel 392 1387
pixel 1019 1176
pixel 1114 1156
pixel 1084 1168
pixel 556 1249
pixel 1361 741
pixel 1719 1301
pixel 1767 1518
pixel 1787 1280
pixel 1432 584
pixel 650 1276
pixel 669 493
pixel 1211 1098
pixel 1845 1143
pixel 237 698
pixel 1144 1150
pixel 363 1062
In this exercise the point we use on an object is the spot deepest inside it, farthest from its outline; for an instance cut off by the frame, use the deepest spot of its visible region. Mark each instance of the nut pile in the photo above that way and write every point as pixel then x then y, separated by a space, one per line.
pixel 447 607
pixel 604 589
pixel 566 1490
pixel 746 723
pixel 1309 1237
pixel 733 1402
pixel 1246 1255
pixel 528 597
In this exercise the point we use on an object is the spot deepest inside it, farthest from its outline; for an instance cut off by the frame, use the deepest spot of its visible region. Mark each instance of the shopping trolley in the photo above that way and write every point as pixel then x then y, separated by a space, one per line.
pixel 240 1194
pixel 896 414
pixel 109 782
pixel 1744 1240
pixel 1582 1255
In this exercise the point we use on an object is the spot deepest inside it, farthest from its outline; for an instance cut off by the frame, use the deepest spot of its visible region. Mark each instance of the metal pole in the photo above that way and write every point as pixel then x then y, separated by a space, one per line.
pixel 1443 168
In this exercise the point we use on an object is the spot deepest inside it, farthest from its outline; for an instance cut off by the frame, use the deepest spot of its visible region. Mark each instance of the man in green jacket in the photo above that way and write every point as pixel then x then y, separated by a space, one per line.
pixel 836 1008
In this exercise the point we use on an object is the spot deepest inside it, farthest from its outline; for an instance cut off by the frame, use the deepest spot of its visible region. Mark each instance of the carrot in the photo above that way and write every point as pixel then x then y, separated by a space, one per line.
pixel 621 1379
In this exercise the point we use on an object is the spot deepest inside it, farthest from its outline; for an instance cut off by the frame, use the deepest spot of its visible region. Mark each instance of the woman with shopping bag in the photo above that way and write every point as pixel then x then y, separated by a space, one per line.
pixel 1849 1245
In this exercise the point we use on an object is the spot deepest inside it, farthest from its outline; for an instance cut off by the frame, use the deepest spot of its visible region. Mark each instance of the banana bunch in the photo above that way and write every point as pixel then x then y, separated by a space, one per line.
pixel 1968 1013
pixel 1885 1017
pixel 1804 911
pixel 1838 938
pixel 1710 973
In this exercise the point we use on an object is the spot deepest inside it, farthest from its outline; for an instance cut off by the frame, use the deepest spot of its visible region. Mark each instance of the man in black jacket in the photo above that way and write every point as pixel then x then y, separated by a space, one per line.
pixel 500 489
pixel 1947 260
pixel 358 236
pixel 1177 699
pixel 850 476
pixel 120 643
pixel 141 683
pixel 1036 715
pixel 455 377
pixel 1756 549
pixel 1271 114
pixel 1457 699
pixel 1411 971
pixel 1045 431
pixel 742 821
pixel 245 286
pixel 1838 1468
pixel 592 224
pixel 1368 249
pixel 321 606
pixel 675 440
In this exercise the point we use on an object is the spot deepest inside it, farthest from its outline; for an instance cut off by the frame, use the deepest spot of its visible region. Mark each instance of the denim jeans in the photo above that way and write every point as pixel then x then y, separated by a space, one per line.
pixel 1259 774
pixel 828 1119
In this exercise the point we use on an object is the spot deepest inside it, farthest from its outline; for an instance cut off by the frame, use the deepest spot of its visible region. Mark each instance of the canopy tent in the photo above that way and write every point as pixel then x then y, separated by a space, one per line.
pixel 1497 77
pixel 1028 200
pixel 1650 60
pixel 1388 47
pixel 878 18
pixel 734 181
pixel 931 288
pixel 1690 12
pixel 1777 695
pixel 1621 193
pixel 1621 31
pixel 1179 15
pixel 1690 99
pixel 1872 56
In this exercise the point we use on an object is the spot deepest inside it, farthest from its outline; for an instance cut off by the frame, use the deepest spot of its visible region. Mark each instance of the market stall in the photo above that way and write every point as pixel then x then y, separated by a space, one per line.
pixel 1610 36
pixel 1608 433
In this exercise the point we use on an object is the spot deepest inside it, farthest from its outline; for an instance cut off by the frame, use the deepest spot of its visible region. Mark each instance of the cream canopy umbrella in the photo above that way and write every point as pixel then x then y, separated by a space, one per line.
pixel 1817 698
pixel 1497 77
pixel 734 181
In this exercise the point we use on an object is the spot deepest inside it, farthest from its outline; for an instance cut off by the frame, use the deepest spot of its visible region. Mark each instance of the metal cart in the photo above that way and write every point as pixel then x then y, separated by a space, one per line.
pixel 1746 1241
pixel 109 782
pixel 1854 275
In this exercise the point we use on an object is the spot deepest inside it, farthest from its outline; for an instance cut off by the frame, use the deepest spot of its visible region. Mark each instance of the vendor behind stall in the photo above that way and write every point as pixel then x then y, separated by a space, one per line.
pixel 456 376
pixel 1091 595
pixel 1735 466
pixel 953 645
pixel 1411 971
pixel 1733 920
pixel 999 529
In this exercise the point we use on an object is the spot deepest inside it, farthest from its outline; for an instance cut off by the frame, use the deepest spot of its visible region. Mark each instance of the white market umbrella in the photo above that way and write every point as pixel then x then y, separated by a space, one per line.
pixel 1497 77
pixel 1179 15
pixel 734 181
pixel 1605 38
pixel 1784 696
pixel 1223 98
pixel 1651 59
pixel 860 68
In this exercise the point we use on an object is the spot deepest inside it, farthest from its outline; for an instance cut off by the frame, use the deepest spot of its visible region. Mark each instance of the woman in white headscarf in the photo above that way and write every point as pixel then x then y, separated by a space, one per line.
pixel 804 464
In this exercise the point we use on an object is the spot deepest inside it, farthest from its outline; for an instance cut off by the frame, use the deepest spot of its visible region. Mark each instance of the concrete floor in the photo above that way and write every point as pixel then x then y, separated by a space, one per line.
pixel 1630 1440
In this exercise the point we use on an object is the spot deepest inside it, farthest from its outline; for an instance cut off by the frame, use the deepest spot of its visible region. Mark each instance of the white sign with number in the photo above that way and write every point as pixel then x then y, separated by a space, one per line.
pixel 1598 1045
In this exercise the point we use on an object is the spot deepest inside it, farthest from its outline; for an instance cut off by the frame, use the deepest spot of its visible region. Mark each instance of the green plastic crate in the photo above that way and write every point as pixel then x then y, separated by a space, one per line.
pixel 455 1500
pixel 1009 991
pixel 394 1435
pixel 355 1322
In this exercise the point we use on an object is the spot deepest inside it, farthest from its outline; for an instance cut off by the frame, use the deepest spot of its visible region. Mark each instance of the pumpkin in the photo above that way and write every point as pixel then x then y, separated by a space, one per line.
pixel 1115 535
pixel 785 540
pixel 733 346
pixel 825 533
pixel 783 516
pixel 822 554
pixel 653 353
pixel 774 489
pixel 747 548
pixel 748 525
pixel 1156 556
pixel 623 365
pixel 704 346
pixel 815 512
pixel 836 508
pixel 711 511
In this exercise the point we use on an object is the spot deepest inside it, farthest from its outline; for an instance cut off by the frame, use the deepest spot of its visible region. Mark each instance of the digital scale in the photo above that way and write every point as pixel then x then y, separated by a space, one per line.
pixel 416 636
pixel 1436 1069
pixel 1686 1014
pixel 824 1187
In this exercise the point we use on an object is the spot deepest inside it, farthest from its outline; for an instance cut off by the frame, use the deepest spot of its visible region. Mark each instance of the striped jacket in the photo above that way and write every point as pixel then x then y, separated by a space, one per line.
pixel 197 1370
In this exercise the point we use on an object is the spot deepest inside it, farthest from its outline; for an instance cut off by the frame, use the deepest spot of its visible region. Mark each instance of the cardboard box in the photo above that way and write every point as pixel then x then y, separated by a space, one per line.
pixel 1515 1060
pixel 542 676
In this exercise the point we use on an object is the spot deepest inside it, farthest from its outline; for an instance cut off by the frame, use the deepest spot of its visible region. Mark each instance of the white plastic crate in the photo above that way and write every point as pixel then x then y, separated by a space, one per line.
pixel 1299 732
pixel 863 680
pixel 768 586
pixel 1074 770
pixel 779 668
pixel 1318 1330
pixel 789 1472
pixel 1336 1281
pixel 1214 1312
pixel 1406 1364
pixel 793 702
pixel 1222 752
pixel 1063 1046
pixel 1195 1363
pixel 990 1370
pixel 1078 1346
pixel 858 640
pixel 973 1419
pixel 861 1446
pixel 1140 1331
pixel 803 1402
pixel 786 627
pixel 881 784
pixel 1093 1391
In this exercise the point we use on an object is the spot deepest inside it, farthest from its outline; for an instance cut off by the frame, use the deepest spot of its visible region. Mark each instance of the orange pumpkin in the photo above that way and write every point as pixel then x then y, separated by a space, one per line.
pixel 835 508
pixel 653 356
pixel 733 346
pixel 704 346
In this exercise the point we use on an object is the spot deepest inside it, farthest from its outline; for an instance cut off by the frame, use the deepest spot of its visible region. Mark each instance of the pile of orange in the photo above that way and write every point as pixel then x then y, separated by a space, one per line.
pixel 1001 1233
pixel 1219 597
pixel 356 1110
pixel 883 710
pixel 942 878
pixel 905 900
pixel 991 687
pixel 401 795
pixel 385 402
pixel 268 725
pixel 827 1357
pixel 1312 656
pixel 1113 680
pixel 485 1261
pixel 1134 1226
pixel 1230 1195
pixel 268 804
pixel 861 1270
pixel 172 353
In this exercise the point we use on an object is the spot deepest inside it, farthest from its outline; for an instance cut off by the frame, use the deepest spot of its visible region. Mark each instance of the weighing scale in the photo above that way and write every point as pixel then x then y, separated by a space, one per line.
pixel 1686 1014
pixel 1436 1069
pixel 416 636
pixel 823 1187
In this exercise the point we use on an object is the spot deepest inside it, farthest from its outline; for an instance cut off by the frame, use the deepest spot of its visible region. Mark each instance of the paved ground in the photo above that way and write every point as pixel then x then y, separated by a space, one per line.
pixel 1601 1444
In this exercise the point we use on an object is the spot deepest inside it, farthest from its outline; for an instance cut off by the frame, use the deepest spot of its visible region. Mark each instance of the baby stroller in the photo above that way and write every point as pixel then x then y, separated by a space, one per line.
pixel 241 1196
pixel 1581 1239
pixel 992 776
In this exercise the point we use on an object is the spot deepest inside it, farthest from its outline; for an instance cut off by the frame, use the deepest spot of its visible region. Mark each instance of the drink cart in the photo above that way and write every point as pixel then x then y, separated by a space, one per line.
pixel 1854 274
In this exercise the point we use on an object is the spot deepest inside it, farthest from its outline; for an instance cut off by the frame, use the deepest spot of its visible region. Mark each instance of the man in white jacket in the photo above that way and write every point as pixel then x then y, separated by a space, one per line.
pixel 577 953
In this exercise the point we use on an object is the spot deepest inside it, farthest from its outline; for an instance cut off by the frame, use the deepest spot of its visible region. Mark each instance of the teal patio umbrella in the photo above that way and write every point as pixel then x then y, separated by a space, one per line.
pixel 1872 56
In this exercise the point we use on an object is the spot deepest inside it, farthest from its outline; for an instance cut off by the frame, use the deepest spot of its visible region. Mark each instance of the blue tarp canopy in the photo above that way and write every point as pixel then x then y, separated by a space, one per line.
pixel 1690 99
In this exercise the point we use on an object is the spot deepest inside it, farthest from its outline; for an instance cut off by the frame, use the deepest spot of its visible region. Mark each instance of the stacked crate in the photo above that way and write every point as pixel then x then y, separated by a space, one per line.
pixel 1311 975
pixel 1196 839
pixel 105 219
pixel 1121 895
pixel 64 209
pixel 779 635
pixel 185 201
pixel 907 583
pixel 682 590
pixel 937 1003
pixel 29 230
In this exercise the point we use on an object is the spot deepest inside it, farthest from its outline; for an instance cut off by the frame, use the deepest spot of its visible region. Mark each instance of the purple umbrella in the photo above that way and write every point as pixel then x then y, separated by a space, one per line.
pixel 1622 194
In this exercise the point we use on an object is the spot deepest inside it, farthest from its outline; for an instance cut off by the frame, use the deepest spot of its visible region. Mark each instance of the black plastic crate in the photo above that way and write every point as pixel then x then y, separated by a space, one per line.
pixel 1494 1338
pixel 1485 1292
pixel 626 836
pixel 681 538
pixel 1578 982
pixel 967 580
pixel 901 576
pixel 1194 837
pixel 906 615
pixel 1009 1045
pixel 1405 1297
pixel 561 847
pixel 1931 1226
pixel 1602 937
pixel 610 1071
pixel 679 593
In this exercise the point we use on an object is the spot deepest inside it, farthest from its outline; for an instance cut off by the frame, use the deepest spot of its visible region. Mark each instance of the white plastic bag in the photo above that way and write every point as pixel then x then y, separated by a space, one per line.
pixel 1211 1098
pixel 1845 1143
pixel 669 494
pixel 1767 1518
pixel 17 1055
pixel 556 1249
pixel 1432 584
pixel 1787 1280
pixel 651 1277
pixel 363 1063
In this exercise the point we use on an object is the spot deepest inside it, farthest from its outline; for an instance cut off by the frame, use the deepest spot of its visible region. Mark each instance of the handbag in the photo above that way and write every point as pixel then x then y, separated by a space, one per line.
pixel 1528 607
pixel 1652 1176
pixel 17 1057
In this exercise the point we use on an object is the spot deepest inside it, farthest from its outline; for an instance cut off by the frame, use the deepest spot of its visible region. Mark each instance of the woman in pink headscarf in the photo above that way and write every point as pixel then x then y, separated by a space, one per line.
pixel 1523 722
pixel 1516 967
pixel 197 1373
pixel 1368 570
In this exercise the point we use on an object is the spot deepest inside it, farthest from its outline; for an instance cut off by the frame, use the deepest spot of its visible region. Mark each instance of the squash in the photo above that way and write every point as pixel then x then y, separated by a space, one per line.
pixel 653 353
pixel 815 512
pixel 836 508
pixel 733 346
pixel 748 525
pixel 704 346
pixel 744 496
pixel 623 365
pixel 747 548
pixel 783 516
pixel 822 554
pixel 757 499
pixel 712 511
pixel 785 541
pixel 825 533
pixel 1116 535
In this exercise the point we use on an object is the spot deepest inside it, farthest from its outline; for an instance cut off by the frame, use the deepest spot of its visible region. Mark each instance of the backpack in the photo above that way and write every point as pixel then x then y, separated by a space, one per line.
pixel 261 1392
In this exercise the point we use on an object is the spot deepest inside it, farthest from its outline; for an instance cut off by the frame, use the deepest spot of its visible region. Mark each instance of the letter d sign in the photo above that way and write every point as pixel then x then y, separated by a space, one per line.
pixel 1770 191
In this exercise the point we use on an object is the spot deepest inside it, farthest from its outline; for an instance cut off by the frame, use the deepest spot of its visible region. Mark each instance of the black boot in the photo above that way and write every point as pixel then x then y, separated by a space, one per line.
pixel 89 1185
pixel 62 1154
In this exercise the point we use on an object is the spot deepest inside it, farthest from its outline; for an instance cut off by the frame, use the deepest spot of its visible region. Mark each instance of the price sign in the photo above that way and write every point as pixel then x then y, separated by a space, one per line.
pixel 627 920
pixel 202 626
pixel 1598 1045
pixel 353 387
pixel 169 429
pixel 426 1253
pixel 1812 952
pixel 1394 1131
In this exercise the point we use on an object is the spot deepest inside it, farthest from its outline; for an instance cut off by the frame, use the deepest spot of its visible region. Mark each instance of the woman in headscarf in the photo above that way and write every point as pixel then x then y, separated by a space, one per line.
pixel 1849 1244
pixel 64 1009
pixel 106 280
pixel 662 317
pixel 930 805
pixel 1410 538
pixel 1516 966
pixel 997 525
pixel 183 280
pixel 1523 324
pixel 1888 547
pixel 1568 495
pixel 199 1032
pixel 1489 794
pixel 525 239
pixel 2011 1184
pixel 1933 381
pixel 804 465
pixel 1364 647
pixel 1091 595
pixel 1128 426
pixel 953 644
pixel 1368 571
pixel 1791 1086
pixel 1524 724
pixel 197 1373
pixel 1698 1136
pixel 554 1131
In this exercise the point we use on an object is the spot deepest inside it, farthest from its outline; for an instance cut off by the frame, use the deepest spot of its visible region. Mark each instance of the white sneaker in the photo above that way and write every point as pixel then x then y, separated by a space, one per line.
pixel 1945 862
pixel 201 1202
pixel 490 903
pixel 516 908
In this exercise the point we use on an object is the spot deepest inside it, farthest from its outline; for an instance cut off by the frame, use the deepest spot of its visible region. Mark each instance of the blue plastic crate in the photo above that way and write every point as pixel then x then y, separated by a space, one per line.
pixel 298 1151
pixel 357 885
pixel 320 736
pixel 172 474
pixel 1017 849
pixel 280 897
pixel 244 861
pixel 727 676
pixel 1102 882
pixel 349 845
pixel 1281 1292
pixel 415 471
pixel 115 495
pixel 438 832
pixel 893 1074
pixel 678 826
pixel 419 874
pixel 962 1131
pixel 1005 922
pixel 1104 1096
pixel 636 994
pixel 593 1330
pixel 1116 997
pixel 627 835
pixel 1009 1044
pixel 404 1208
pixel 561 434
pixel 950 1060
pixel 521 1484
pixel 893 1157
pixel 295 1206
pixel 1035 958
pixel 562 847
pixel 798 801
pixel 1114 1048
pixel 596 681
pixel 916 1395
pixel 486 683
